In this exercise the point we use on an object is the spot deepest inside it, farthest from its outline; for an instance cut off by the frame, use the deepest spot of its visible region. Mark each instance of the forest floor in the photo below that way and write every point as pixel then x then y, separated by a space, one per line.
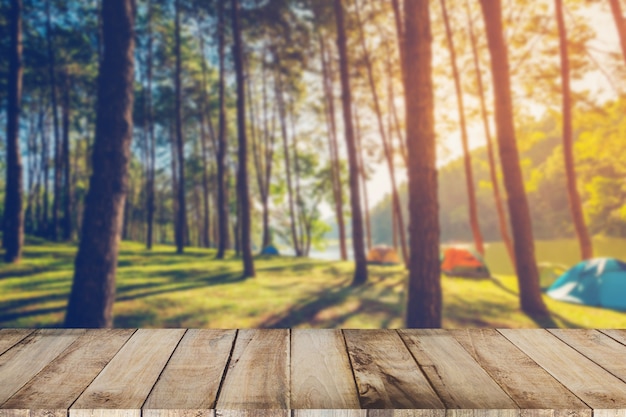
pixel 161 289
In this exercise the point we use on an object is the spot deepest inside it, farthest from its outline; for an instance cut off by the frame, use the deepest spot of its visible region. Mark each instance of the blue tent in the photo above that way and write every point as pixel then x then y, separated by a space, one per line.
pixel 597 282
pixel 270 250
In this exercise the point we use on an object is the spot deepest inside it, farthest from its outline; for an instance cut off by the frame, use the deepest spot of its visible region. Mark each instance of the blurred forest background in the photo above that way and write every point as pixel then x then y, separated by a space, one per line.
pixel 218 84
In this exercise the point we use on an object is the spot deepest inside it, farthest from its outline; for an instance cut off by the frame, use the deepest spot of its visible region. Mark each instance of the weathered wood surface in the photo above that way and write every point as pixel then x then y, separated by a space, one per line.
pixel 316 373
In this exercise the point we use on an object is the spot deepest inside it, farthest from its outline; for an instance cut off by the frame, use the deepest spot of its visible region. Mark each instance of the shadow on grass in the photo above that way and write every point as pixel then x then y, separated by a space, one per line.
pixel 311 310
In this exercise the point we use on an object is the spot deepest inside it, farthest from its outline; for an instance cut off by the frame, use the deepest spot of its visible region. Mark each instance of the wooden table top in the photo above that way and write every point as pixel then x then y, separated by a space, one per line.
pixel 172 372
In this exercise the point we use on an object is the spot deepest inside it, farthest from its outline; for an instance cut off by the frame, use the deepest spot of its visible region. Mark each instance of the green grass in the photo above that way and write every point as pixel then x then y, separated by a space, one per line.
pixel 161 289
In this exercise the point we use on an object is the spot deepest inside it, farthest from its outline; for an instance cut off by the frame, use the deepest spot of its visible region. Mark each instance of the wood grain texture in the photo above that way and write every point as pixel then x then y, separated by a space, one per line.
pixel 592 384
pixel 32 413
pixel 31 355
pixel 128 378
pixel 9 337
pixel 617 334
pixel 258 372
pixel 188 412
pixel 330 413
pixel 102 412
pixel 600 348
pixel 454 374
pixel 197 365
pixel 321 377
pixel 52 389
pixel 252 413
pixel 406 413
pixel 527 383
pixel 387 376
pixel 482 413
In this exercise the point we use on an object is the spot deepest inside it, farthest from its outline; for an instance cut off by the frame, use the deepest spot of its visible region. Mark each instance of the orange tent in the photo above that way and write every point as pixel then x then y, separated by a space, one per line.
pixel 463 262
pixel 383 254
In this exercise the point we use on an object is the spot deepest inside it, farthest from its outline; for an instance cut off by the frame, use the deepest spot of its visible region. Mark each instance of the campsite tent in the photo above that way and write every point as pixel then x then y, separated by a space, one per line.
pixel 270 250
pixel 596 282
pixel 462 262
pixel 383 254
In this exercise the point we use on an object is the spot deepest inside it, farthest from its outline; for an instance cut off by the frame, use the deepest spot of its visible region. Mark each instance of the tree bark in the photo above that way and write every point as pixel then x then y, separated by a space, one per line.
pixel 150 207
pixel 360 270
pixel 242 177
pixel 576 208
pixel 54 226
pixel 363 178
pixel 526 265
pixel 290 192
pixel 387 146
pixel 424 289
pixel 45 148
pixel 205 239
pixel 181 235
pixel 467 158
pixel 93 289
pixel 222 200
pixel 329 101
pixel 66 225
pixel 502 220
pixel 13 221
pixel 616 10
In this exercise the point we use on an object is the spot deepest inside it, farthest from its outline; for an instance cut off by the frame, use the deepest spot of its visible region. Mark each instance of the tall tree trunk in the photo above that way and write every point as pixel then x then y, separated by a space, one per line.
pixel 526 265
pixel 150 207
pixel 174 167
pixel 387 146
pixel 467 158
pixel 290 192
pixel 54 226
pixel 13 221
pixel 205 239
pixel 222 199
pixel 360 270
pixel 242 177
pixel 620 23
pixel 93 289
pixel 424 290
pixel 66 226
pixel 45 149
pixel 363 178
pixel 329 101
pixel 502 220
pixel 576 208
pixel 181 235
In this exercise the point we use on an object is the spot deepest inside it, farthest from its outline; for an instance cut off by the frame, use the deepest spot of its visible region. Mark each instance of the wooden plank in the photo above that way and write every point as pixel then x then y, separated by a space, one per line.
pixel 252 413
pixel 600 348
pixel 406 413
pixel 387 376
pixel 128 378
pixel 330 413
pixel 32 413
pixel 197 365
pixel 483 413
pixel 187 412
pixel 52 390
pixel 617 334
pixel 102 412
pixel 592 384
pixel 321 377
pixel 453 373
pixel 10 337
pixel 31 355
pixel 530 386
pixel 258 372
